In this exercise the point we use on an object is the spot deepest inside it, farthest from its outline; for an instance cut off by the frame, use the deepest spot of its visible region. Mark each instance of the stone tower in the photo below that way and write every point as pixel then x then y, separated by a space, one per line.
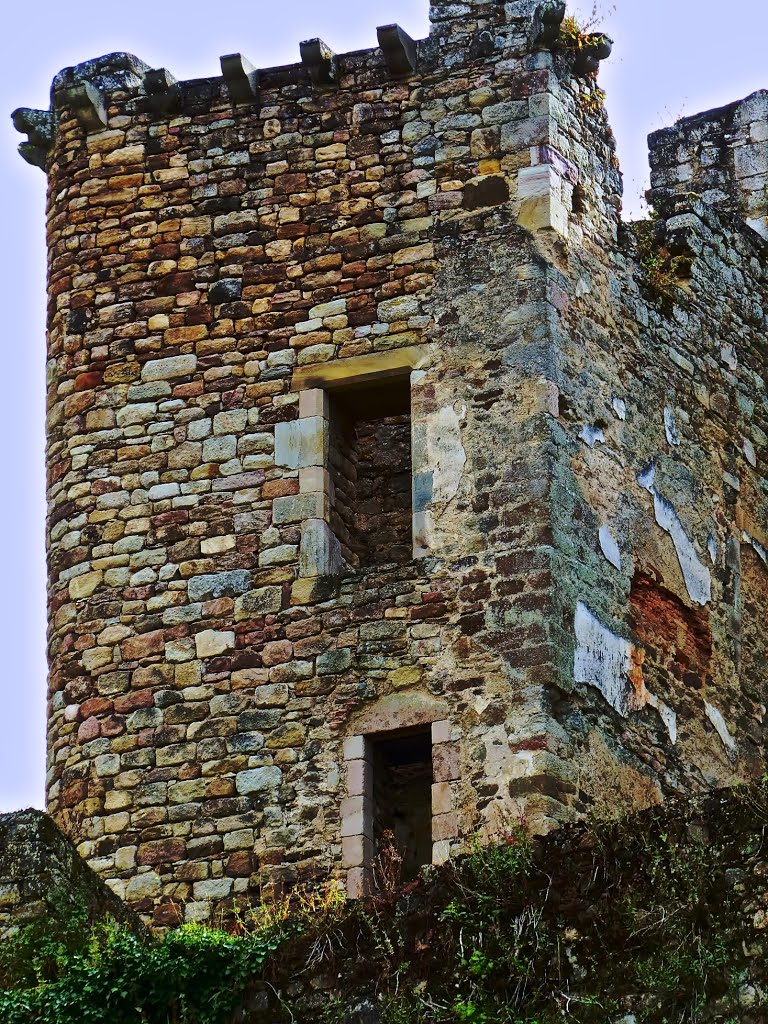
pixel 394 483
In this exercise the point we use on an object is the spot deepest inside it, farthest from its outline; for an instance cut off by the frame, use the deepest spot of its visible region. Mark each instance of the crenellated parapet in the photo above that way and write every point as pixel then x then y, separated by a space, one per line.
pixel 720 156
pixel 462 34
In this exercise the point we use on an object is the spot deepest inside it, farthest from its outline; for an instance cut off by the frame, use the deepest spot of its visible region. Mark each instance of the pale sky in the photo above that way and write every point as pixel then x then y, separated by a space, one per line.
pixel 671 58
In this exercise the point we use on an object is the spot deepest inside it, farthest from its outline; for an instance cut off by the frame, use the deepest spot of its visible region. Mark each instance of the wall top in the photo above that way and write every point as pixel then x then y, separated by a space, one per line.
pixel 462 33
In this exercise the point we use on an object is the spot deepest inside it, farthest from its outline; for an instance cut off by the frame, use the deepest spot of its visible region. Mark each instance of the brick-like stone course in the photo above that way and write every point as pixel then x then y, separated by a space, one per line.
pixel 218 272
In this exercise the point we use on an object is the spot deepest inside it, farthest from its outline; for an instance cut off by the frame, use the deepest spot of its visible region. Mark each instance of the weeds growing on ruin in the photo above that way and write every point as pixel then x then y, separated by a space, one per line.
pixel 639 920
pixel 664 272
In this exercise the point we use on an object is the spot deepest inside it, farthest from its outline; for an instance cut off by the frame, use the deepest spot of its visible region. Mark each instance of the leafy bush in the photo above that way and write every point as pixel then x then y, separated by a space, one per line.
pixel 64 972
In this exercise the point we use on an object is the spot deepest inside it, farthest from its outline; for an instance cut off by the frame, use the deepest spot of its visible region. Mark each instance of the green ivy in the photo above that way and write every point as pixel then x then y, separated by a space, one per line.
pixel 73 974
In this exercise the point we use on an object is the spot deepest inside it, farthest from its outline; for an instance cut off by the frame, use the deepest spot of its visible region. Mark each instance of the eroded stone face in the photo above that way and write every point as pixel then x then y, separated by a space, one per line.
pixel 226 282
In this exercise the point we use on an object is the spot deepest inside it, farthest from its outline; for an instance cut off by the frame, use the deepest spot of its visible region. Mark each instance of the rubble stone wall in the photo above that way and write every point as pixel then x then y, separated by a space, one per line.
pixel 228 257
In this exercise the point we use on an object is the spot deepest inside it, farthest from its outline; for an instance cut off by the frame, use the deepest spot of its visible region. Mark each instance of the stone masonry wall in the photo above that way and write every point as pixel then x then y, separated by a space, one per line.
pixel 229 259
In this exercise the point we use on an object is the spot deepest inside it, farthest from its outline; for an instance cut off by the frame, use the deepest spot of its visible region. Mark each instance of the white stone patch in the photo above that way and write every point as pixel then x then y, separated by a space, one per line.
pixel 749 452
pixel 756 545
pixel 670 427
pixel 619 407
pixel 668 716
pixel 721 728
pixel 602 660
pixel 592 435
pixel 609 546
pixel 583 287
pixel 712 548
pixel 698 578
pixel 729 357
pixel 445 453
pixel 605 661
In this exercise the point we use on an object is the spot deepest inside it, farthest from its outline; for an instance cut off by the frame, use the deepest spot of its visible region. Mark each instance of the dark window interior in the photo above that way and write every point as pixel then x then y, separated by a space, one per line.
pixel 402 796
pixel 371 469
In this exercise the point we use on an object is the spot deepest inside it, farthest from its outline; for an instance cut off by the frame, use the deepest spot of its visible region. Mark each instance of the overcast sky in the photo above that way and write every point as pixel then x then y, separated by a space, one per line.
pixel 672 58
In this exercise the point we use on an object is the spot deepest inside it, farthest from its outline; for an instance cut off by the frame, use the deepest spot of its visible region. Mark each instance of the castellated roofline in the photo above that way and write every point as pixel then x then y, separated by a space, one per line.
pixel 460 33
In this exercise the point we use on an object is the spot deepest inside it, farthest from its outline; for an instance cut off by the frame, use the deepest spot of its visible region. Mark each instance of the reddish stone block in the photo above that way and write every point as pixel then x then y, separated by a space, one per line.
pixel 239 865
pixel 89 730
pixel 445 762
pixel 113 725
pixel 134 701
pixel 144 645
pixel 96 706
pixel 161 851
pixel 444 826
pixel 277 653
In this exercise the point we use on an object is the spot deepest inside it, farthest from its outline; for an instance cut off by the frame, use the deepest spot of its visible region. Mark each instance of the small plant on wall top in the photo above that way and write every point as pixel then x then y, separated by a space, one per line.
pixel 585 43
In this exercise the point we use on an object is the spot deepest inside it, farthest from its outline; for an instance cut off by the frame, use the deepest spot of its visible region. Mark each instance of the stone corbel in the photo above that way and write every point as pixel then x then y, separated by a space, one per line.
pixel 241 77
pixel 163 90
pixel 598 48
pixel 320 61
pixel 547 22
pixel 87 103
pixel 400 51
pixel 38 125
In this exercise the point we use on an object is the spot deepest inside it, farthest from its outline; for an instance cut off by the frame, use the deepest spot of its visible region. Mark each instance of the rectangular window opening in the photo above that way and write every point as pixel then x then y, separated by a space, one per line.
pixel 370 466
pixel 402 796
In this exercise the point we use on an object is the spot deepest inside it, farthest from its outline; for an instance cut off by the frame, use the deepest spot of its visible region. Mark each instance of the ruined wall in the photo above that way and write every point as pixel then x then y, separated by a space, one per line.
pixel 721 156
pixel 41 877
pixel 663 425
pixel 230 259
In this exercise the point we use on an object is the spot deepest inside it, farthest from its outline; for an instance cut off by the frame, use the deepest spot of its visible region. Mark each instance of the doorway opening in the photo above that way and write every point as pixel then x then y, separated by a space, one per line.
pixel 402 797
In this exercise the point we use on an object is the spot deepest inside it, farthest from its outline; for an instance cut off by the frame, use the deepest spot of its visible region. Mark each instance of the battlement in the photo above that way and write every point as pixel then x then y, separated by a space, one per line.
pixel 393 483
pixel 461 33
pixel 722 156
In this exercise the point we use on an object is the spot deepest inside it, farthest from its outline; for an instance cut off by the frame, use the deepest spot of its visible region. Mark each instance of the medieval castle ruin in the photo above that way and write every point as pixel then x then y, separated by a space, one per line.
pixel 394 483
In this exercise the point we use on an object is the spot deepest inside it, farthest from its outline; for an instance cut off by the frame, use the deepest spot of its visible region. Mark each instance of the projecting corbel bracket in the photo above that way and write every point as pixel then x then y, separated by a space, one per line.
pixel 241 77
pixel 400 51
pixel 163 91
pixel 39 126
pixel 321 62
pixel 547 21
pixel 597 48
pixel 87 103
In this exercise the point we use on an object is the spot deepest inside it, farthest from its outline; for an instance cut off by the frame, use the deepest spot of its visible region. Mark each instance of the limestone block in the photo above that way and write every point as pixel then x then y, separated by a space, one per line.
pixel 144 886
pixel 211 643
pixel 280 555
pixel 355 748
pixel 356 851
pixel 313 402
pixel 442 798
pixel 359 778
pixel 264 601
pixel 334 662
pixel 441 732
pixel 298 507
pixel 444 826
pixel 539 190
pixel 85 585
pixel 302 443
pixel 441 852
pixel 258 780
pixel 223 584
pixel 320 551
pixel 167 369
pixel 358 883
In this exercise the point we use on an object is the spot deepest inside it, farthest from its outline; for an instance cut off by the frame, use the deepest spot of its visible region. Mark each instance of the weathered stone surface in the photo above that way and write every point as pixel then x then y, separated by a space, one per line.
pixel 379 422
pixel 39 867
